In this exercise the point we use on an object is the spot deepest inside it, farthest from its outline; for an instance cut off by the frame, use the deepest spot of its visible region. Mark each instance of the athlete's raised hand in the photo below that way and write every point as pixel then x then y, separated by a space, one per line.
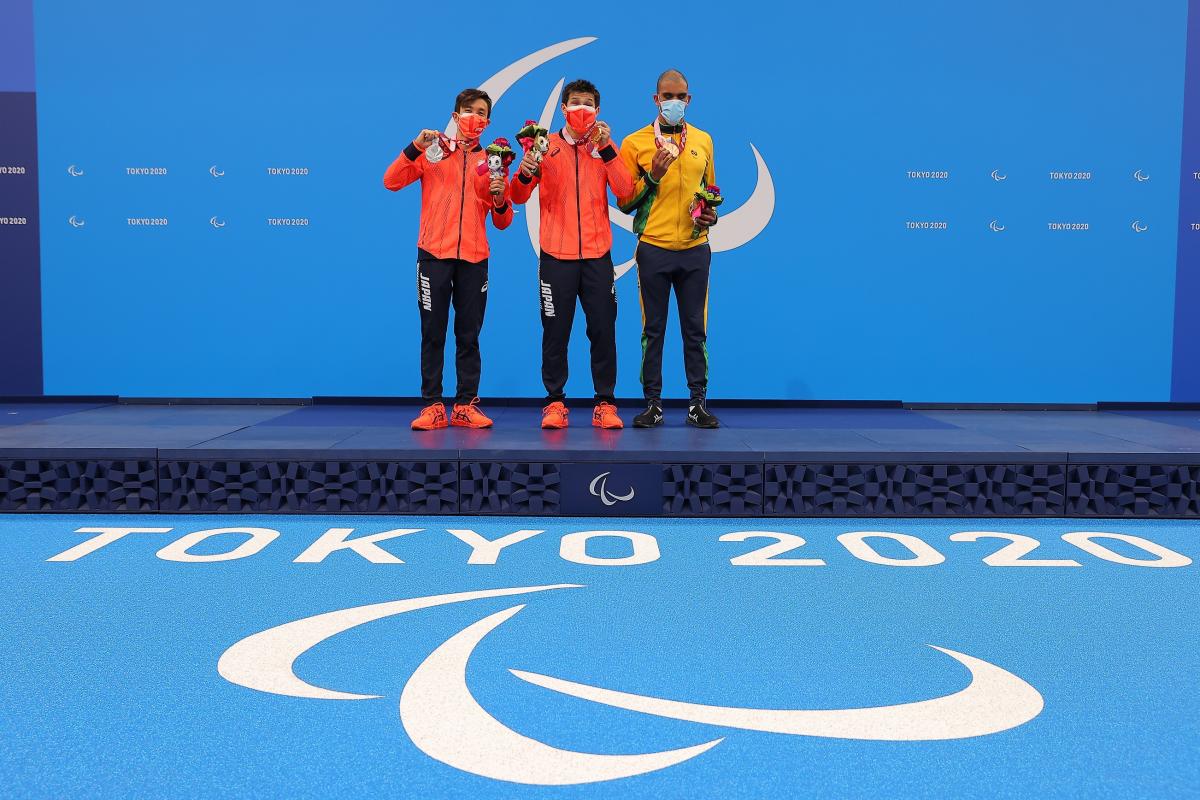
pixel 425 138
pixel 496 187
pixel 663 159
pixel 602 134
pixel 529 164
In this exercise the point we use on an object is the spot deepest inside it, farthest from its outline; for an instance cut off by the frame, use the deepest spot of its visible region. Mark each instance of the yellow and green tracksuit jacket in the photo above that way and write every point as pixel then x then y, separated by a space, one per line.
pixel 661 210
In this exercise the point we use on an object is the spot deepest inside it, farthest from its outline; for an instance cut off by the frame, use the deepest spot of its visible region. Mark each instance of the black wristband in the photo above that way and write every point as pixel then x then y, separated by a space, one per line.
pixel 412 152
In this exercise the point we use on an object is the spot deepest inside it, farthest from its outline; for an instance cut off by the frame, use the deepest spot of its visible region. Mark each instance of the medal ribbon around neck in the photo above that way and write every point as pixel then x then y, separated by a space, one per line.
pixel 584 140
pixel 448 145
pixel 662 141
pixel 457 141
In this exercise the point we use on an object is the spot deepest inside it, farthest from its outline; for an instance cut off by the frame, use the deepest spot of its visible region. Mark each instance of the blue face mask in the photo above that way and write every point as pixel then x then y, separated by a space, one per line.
pixel 672 111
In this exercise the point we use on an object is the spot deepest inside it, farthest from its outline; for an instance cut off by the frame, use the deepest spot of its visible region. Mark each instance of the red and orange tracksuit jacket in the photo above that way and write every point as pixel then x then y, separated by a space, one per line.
pixel 455 201
pixel 573 200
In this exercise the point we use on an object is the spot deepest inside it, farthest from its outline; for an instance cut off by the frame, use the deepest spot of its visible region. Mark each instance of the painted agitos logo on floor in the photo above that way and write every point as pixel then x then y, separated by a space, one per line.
pixel 443 719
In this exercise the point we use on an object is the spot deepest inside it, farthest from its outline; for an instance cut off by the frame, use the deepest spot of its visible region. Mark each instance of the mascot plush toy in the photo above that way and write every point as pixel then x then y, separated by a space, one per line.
pixel 499 157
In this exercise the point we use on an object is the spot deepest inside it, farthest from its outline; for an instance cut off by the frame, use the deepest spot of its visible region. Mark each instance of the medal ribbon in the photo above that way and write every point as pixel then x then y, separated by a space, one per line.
pixel 659 138
pixel 585 140
pixel 445 141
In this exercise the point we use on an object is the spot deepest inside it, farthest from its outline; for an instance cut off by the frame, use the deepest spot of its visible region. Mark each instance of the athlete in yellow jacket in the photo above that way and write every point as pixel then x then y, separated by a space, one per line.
pixel 670 161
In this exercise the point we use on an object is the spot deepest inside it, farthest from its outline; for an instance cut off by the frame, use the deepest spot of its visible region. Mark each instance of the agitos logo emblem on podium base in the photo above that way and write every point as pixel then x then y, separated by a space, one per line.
pixel 604 489
pixel 599 488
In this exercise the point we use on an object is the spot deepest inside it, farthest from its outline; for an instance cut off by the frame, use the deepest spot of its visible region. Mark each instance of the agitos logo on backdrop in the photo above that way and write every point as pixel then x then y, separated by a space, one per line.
pixel 737 227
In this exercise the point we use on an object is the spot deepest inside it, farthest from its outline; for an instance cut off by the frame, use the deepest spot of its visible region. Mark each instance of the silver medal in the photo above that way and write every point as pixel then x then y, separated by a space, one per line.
pixel 434 153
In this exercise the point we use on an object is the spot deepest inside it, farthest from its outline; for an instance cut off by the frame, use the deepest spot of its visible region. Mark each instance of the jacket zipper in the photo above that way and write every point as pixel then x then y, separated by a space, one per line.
pixel 683 198
pixel 578 212
pixel 683 201
pixel 462 205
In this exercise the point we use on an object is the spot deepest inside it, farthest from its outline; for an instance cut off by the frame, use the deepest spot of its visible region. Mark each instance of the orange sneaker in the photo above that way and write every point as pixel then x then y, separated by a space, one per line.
pixel 432 417
pixel 605 416
pixel 468 415
pixel 554 415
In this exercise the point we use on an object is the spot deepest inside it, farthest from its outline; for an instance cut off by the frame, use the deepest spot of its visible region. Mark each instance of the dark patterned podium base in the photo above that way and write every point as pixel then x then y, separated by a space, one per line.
pixel 762 462
pixel 260 486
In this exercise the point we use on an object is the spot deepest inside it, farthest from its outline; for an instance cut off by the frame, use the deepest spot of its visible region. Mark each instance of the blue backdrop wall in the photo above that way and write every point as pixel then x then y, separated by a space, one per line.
pixel 956 201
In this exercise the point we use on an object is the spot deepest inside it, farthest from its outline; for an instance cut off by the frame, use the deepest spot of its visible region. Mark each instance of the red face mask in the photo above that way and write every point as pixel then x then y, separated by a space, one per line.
pixel 580 118
pixel 471 125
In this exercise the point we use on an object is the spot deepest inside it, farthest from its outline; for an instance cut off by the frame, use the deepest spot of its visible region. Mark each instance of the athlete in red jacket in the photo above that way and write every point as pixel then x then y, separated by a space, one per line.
pixel 452 252
pixel 576 264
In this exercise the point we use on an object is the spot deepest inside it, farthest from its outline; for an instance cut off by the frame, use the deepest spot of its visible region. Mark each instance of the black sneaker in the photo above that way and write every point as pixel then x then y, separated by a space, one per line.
pixel 652 417
pixel 699 417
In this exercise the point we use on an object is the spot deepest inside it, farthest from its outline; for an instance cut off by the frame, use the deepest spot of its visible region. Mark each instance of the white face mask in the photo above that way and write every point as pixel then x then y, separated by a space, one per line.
pixel 672 111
